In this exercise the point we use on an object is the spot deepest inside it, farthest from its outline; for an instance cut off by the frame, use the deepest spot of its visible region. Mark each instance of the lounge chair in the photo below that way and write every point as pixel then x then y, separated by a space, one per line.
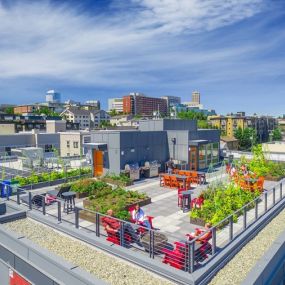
pixel 58 193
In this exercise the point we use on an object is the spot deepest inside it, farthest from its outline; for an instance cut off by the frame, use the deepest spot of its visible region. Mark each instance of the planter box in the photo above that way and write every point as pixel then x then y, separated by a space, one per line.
pixel 116 182
pixel 197 221
pixel 273 178
pixel 82 195
pixel 87 203
pixel 87 216
pixel 141 203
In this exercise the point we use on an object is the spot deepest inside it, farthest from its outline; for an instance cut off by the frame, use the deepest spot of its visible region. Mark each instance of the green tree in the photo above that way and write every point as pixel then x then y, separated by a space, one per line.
pixel 46 111
pixel 9 110
pixel 113 113
pixel 247 138
pixel 276 135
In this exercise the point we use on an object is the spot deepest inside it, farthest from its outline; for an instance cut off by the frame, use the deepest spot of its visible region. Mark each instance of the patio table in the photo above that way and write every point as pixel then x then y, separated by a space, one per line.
pixel 69 201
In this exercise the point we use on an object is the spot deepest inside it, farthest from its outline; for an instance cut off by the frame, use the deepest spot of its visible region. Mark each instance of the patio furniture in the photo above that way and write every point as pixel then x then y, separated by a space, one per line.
pixel 179 196
pixel 37 200
pixel 177 257
pixel 151 169
pixel 182 180
pixel 164 180
pixel 197 202
pixel 195 177
pixel 58 193
pixel 159 241
pixel 174 183
pixel 186 200
pixel 69 201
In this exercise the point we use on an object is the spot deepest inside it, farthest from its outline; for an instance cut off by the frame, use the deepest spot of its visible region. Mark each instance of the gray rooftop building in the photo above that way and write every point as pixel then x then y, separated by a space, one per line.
pixel 154 140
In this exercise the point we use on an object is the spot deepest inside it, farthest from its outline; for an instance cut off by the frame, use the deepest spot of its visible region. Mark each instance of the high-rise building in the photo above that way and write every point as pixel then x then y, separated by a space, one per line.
pixel 53 97
pixel 172 101
pixel 139 104
pixel 196 97
pixel 115 104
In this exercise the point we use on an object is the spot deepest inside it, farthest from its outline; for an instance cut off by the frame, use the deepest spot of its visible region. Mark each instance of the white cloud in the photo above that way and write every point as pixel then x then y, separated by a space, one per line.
pixel 39 39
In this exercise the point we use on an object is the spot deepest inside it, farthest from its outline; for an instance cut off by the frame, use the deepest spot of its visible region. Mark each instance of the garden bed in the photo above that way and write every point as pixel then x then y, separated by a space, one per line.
pixel 197 221
pixel 87 216
pixel 274 178
pixel 117 182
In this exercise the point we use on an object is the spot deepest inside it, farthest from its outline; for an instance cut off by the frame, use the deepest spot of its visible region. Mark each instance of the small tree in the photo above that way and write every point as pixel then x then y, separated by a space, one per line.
pixel 9 110
pixel 276 135
pixel 247 138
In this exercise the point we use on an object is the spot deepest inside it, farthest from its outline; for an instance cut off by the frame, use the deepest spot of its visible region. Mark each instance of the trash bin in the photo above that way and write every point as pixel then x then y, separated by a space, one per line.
pixel 6 187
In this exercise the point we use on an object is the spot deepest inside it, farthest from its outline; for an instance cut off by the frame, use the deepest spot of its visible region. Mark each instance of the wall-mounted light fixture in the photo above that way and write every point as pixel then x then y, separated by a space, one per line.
pixel 122 152
pixel 132 150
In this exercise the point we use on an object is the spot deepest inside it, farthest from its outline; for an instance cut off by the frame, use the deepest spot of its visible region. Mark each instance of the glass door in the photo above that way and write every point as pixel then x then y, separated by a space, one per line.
pixel 193 158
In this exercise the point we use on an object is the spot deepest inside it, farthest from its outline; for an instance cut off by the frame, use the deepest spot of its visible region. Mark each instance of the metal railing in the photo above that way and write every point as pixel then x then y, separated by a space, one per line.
pixel 186 254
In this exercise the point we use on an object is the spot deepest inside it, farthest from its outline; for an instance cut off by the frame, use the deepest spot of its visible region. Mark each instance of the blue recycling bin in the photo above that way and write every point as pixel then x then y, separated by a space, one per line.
pixel 6 188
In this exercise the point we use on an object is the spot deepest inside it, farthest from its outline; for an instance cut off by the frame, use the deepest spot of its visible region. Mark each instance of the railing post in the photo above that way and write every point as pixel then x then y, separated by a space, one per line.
pixel 97 225
pixel 265 202
pixel 122 239
pixel 214 240
pixel 274 195
pixel 44 205
pixel 191 257
pixel 18 196
pixel 151 244
pixel 256 209
pixel 281 194
pixel 59 211
pixel 231 227
pixel 244 218
pixel 30 200
pixel 76 209
pixel 6 187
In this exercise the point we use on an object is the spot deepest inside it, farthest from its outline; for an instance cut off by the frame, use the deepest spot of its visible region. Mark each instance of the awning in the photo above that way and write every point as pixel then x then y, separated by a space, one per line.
pixel 197 142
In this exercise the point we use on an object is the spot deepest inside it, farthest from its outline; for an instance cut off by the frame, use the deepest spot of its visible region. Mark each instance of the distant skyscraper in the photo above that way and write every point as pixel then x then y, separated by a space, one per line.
pixel 53 97
pixel 196 97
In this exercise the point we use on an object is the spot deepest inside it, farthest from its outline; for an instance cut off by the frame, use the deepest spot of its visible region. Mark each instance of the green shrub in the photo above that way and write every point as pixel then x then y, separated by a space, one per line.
pixel 122 177
pixel 221 201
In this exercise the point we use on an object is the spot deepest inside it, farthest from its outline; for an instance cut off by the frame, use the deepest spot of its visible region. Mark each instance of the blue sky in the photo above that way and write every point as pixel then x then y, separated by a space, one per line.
pixel 231 51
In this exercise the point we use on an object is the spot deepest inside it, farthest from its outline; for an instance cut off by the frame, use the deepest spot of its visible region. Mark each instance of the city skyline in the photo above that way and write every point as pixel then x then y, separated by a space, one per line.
pixel 230 52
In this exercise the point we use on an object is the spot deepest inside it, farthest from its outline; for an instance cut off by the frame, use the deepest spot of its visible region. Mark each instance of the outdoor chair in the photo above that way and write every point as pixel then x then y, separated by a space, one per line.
pixel 174 183
pixel 195 177
pixel 37 200
pixel 179 196
pixel 58 193
pixel 175 257
pixel 197 202
pixel 166 181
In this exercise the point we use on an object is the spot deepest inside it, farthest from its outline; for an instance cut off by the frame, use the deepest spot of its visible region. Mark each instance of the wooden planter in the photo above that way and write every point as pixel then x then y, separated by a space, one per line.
pixel 197 221
pixel 87 203
pixel 82 195
pixel 87 216
pixel 141 203
pixel 273 178
pixel 116 182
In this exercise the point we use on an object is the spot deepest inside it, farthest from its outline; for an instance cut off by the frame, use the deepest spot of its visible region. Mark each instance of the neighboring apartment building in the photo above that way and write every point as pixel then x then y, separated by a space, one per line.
pixel 228 124
pixel 10 124
pixel 71 143
pixel 120 120
pixel 115 104
pixel 171 101
pixel 86 119
pixel 139 104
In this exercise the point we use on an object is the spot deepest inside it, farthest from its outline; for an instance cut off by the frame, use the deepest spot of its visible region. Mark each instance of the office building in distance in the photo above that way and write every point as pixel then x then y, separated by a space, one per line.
pixel 115 104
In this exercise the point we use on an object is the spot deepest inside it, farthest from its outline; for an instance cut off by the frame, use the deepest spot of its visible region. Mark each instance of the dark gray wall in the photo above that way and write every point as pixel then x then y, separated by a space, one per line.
pixel 16 140
pixel 210 135
pixel 147 146
pixel 112 155
pixel 167 124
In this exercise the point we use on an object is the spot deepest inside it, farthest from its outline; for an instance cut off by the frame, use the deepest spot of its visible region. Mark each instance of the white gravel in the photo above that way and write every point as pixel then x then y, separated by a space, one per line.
pixel 239 267
pixel 102 265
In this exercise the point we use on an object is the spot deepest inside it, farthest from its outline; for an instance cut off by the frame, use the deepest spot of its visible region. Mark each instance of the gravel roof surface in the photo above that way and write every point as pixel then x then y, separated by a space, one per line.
pixel 102 265
pixel 239 267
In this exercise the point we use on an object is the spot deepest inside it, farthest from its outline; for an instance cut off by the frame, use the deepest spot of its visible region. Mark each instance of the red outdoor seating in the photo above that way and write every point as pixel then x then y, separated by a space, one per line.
pixel 175 257
pixel 197 202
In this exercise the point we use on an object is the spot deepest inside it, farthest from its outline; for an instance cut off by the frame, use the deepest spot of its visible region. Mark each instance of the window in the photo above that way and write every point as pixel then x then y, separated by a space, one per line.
pixel 75 144
pixel 48 148
pixel 68 154
pixel 67 143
